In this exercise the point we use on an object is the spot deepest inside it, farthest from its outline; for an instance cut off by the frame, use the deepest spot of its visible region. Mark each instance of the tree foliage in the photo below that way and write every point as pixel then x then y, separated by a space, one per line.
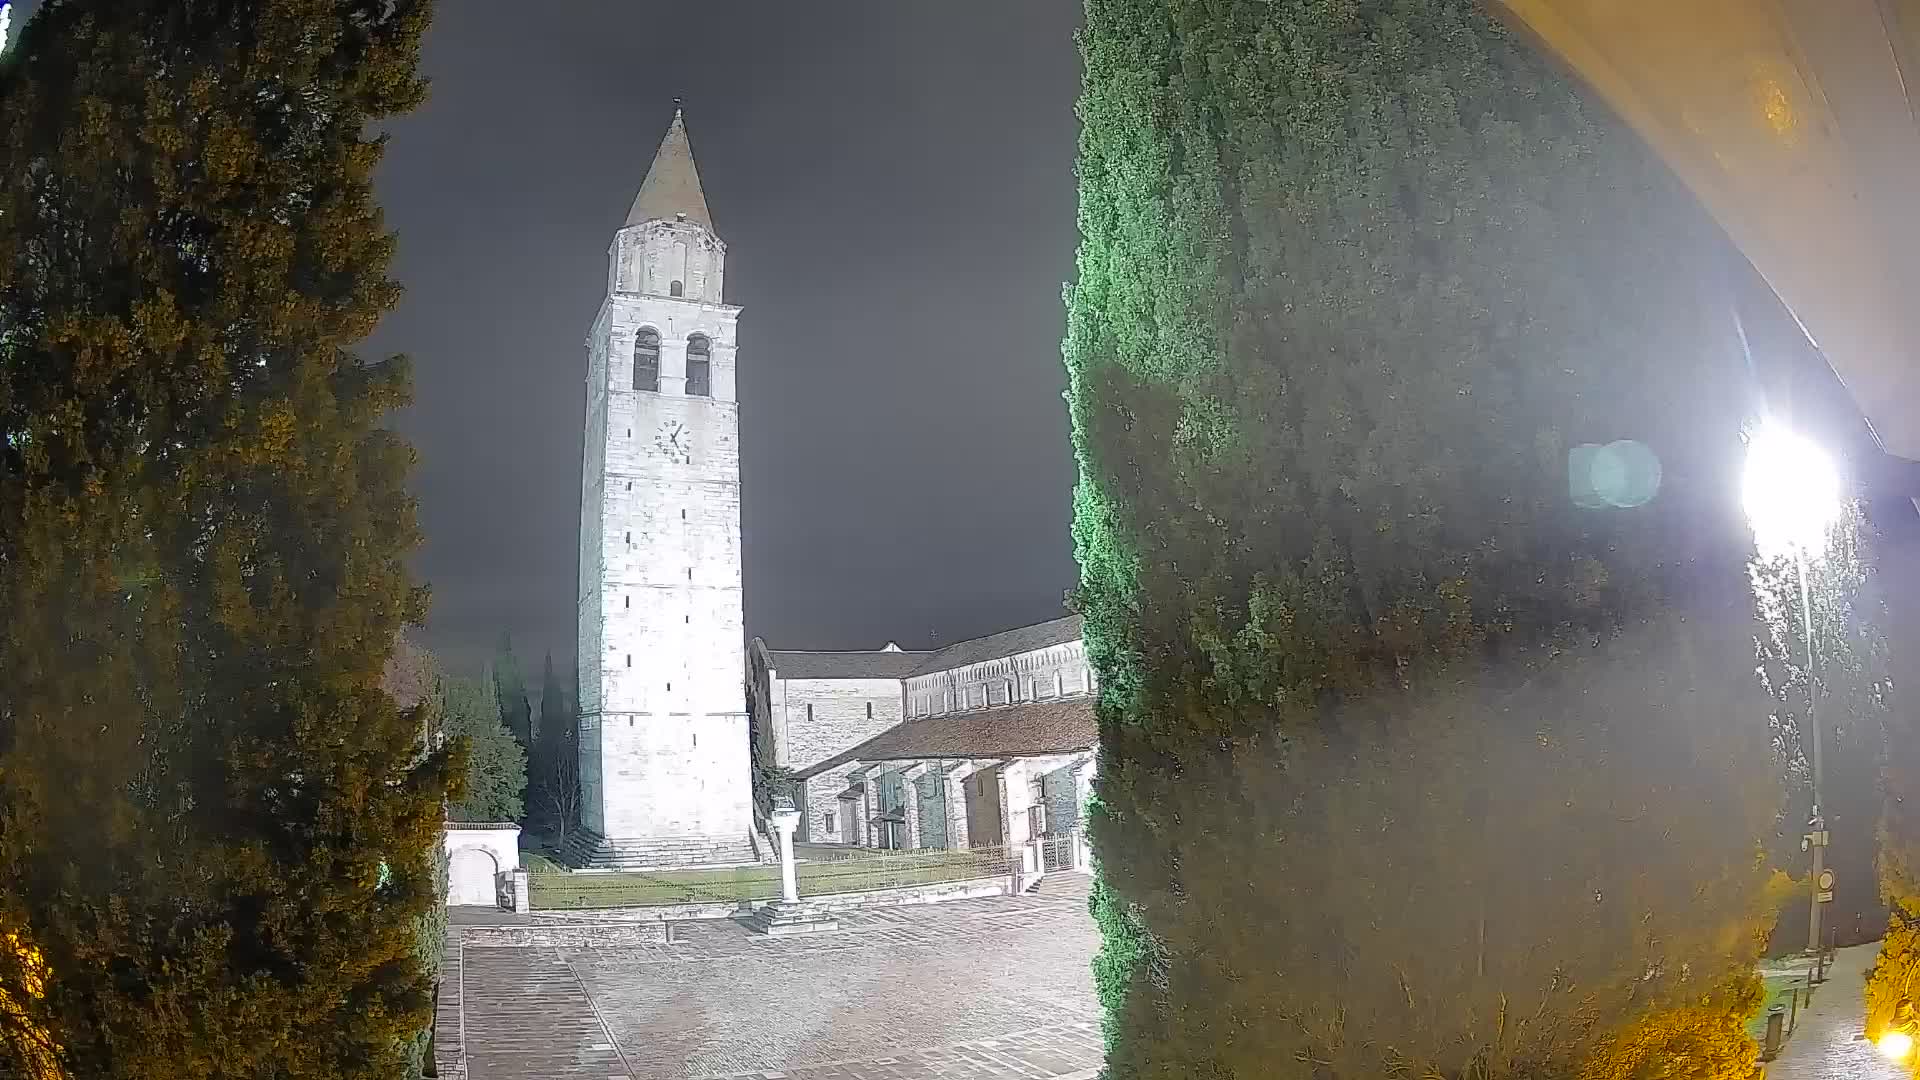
pixel 494 783
pixel 1410 766
pixel 203 542
pixel 555 787
pixel 510 689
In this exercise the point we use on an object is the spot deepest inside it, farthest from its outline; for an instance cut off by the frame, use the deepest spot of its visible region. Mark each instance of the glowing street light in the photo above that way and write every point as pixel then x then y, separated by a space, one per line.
pixel 1792 495
pixel 1896 1045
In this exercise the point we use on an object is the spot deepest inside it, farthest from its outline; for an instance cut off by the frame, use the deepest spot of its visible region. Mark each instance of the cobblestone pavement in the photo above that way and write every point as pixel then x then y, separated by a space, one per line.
pixel 1829 1041
pixel 974 989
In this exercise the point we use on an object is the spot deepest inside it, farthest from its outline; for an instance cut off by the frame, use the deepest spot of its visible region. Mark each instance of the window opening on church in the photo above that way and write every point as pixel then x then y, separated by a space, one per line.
pixel 626 601
pixel 674 289
pixel 629 659
pixel 809 714
pixel 869 710
pixel 699 367
pixel 646 362
pixel 829 822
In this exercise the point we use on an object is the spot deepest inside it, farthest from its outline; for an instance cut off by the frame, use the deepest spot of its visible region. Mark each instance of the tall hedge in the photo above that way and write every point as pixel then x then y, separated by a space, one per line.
pixel 1410 765
pixel 215 823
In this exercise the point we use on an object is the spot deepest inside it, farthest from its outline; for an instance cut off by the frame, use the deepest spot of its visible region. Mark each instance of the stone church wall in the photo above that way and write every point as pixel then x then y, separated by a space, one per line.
pixel 1055 671
pixel 817 718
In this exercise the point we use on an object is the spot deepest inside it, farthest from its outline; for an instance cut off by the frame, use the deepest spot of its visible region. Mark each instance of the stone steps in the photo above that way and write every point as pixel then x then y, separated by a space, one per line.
pixel 587 851
pixel 781 919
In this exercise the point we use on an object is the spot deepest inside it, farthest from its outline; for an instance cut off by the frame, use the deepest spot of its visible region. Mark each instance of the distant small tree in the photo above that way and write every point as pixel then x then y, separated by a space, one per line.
pixel 495 780
pixel 558 797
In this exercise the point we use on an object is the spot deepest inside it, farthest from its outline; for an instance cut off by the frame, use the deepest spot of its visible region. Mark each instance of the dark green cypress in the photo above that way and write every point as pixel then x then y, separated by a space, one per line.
pixel 1410 765
pixel 215 824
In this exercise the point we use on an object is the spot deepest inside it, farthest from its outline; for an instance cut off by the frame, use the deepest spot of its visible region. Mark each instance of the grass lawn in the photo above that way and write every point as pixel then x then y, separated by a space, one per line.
pixel 1779 991
pixel 553 887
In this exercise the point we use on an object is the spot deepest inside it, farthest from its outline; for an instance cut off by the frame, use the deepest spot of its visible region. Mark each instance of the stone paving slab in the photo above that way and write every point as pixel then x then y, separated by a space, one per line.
pixel 997 987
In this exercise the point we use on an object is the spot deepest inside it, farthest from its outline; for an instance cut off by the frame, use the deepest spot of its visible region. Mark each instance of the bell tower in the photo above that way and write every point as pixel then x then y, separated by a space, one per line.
pixel 665 771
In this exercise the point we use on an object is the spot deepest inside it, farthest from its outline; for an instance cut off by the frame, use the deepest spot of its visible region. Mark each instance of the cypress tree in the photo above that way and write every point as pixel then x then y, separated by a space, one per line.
pixel 556 762
pixel 1416 757
pixel 510 688
pixel 203 540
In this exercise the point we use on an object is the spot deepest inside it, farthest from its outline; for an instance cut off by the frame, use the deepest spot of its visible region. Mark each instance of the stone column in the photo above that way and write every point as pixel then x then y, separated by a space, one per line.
pixel 522 891
pixel 869 833
pixel 910 803
pixel 954 798
pixel 785 819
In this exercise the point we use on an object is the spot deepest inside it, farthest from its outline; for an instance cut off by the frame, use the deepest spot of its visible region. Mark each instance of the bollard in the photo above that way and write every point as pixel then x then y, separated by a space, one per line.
pixel 1776 1033
pixel 1794 1020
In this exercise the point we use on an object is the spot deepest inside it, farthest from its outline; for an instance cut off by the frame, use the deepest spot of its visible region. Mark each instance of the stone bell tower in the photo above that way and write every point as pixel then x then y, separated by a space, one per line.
pixel 665 772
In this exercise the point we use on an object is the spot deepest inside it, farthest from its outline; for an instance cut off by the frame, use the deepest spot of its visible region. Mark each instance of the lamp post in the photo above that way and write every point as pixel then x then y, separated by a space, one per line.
pixel 1791 494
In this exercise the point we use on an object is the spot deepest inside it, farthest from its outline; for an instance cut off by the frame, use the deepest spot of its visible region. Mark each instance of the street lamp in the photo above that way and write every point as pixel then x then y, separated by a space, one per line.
pixel 1791 493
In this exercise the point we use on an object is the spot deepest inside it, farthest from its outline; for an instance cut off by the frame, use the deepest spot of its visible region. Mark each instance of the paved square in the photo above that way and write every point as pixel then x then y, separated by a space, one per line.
pixel 998 987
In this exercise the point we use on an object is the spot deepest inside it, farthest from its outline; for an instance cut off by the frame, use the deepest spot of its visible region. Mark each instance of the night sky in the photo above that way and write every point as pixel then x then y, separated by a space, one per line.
pixel 894 183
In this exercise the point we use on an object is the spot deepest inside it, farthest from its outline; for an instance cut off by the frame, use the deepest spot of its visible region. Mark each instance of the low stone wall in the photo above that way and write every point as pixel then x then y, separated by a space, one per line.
pixel 557 935
pixel 648 913
pixel 912 894
pixel 934 893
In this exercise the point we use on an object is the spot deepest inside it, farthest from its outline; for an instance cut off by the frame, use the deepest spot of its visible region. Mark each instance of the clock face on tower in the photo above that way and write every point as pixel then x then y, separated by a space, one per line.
pixel 674 443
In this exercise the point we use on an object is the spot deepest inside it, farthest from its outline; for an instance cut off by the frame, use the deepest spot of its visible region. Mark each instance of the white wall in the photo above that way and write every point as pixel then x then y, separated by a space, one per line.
pixel 475 859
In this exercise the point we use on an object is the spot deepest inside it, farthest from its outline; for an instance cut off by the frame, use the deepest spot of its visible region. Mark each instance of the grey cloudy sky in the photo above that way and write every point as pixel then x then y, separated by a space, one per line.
pixel 894 183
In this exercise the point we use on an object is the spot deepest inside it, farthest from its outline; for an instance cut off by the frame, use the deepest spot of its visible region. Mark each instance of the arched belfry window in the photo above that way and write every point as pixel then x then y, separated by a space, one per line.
pixel 646 360
pixel 676 289
pixel 699 366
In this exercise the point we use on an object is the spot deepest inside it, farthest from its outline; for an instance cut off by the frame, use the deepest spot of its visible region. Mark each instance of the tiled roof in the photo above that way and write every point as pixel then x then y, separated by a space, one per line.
pixel 1029 729
pixel 1005 643
pixel 872 664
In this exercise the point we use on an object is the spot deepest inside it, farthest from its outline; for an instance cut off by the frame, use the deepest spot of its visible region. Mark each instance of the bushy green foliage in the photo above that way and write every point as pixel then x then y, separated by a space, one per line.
pixel 203 542
pixel 430 943
pixel 495 781
pixel 1409 766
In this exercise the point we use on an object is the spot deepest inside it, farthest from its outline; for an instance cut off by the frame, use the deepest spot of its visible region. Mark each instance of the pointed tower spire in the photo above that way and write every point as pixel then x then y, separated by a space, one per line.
pixel 672 188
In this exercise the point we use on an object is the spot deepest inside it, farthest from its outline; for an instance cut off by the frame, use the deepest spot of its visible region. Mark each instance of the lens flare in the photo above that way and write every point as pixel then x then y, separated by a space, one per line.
pixel 1896 1045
